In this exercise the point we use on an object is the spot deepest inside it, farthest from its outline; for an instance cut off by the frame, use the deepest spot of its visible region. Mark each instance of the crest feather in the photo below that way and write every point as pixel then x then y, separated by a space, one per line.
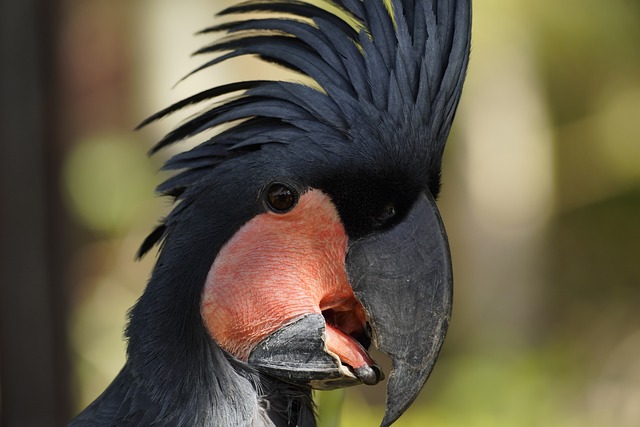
pixel 402 60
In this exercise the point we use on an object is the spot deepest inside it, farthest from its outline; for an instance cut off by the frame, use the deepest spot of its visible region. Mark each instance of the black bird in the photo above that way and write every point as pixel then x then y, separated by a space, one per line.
pixel 305 229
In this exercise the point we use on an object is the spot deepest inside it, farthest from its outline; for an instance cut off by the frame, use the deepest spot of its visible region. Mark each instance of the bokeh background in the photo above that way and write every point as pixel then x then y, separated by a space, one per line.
pixel 541 200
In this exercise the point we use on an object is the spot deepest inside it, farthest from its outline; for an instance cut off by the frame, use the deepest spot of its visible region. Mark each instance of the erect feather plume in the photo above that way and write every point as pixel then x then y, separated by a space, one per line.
pixel 400 61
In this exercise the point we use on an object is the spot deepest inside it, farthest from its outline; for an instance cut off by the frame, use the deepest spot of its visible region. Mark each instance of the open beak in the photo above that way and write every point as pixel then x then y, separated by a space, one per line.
pixel 403 279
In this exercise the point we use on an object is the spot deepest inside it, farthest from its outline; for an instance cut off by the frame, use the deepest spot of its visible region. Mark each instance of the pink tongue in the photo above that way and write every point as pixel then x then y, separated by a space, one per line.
pixel 351 353
pixel 348 349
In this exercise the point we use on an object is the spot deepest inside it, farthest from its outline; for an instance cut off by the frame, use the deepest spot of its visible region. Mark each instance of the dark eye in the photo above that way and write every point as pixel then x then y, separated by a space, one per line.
pixel 281 198
pixel 388 212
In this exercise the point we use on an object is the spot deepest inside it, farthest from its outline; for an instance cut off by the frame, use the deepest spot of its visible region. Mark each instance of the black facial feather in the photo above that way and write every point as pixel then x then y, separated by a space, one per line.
pixel 385 80
pixel 389 82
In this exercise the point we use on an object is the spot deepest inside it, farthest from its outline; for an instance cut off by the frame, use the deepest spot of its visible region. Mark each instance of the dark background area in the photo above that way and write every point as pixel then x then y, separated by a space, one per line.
pixel 541 200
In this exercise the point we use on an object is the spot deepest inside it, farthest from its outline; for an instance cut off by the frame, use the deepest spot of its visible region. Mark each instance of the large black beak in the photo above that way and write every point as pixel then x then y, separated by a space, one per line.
pixel 403 279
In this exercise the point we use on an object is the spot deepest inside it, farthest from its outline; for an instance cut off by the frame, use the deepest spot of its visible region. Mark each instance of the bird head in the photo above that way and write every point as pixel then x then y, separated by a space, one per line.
pixel 305 230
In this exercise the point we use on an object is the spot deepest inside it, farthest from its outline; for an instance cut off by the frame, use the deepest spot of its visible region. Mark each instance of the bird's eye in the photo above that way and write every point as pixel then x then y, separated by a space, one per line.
pixel 281 198
pixel 388 212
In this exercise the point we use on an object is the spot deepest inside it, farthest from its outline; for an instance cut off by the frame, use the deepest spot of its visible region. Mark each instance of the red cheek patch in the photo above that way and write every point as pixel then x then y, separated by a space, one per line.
pixel 277 268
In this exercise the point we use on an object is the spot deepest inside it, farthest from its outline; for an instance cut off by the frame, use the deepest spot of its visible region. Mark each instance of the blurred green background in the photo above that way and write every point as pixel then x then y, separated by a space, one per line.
pixel 541 200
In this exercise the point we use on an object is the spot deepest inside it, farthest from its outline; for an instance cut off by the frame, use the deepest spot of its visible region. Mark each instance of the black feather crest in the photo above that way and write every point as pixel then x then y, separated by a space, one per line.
pixel 397 61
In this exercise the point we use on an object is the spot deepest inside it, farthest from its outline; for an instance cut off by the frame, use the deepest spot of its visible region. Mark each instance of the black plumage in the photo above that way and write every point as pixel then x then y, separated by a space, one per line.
pixel 369 126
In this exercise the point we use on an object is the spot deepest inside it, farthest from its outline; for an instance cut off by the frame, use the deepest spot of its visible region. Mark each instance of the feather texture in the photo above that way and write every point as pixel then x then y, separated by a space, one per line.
pixel 400 61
